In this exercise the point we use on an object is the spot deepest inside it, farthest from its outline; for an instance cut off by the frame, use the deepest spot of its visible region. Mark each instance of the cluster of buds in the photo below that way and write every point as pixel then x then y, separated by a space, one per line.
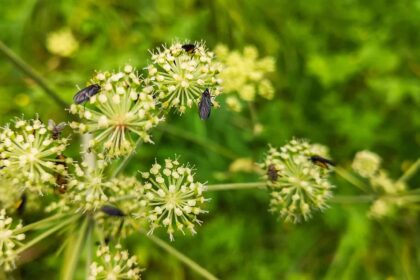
pixel 179 75
pixel 122 110
pixel 297 184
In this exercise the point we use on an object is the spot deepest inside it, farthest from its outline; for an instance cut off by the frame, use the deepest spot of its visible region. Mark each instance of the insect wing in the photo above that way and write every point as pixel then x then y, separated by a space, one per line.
pixel 189 48
pixel 85 93
pixel 204 106
pixel 112 211
pixel 51 124
pixel 59 127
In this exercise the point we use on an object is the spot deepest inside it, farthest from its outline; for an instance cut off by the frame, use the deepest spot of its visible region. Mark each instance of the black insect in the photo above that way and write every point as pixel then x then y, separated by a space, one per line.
pixel 205 104
pixel 21 204
pixel 84 94
pixel 272 173
pixel 112 211
pixel 189 48
pixel 56 129
pixel 60 179
pixel 320 161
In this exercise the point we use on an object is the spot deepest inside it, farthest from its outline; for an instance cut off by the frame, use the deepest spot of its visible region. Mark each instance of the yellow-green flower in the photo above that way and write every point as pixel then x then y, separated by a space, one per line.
pixel 245 74
pixel 113 264
pixel 28 149
pixel 122 111
pixel 62 43
pixel 10 241
pixel 174 199
pixel 179 77
pixel 297 186
pixel 366 163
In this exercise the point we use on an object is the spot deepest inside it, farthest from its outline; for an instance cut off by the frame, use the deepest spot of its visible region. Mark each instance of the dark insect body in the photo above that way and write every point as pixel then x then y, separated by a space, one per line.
pixel 272 173
pixel 112 211
pixel 84 94
pixel 56 129
pixel 61 180
pixel 21 204
pixel 205 104
pixel 320 161
pixel 189 48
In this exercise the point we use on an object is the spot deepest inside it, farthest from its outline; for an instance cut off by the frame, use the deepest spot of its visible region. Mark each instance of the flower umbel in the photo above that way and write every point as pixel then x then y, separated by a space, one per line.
pixel 28 149
pixel 174 198
pixel 299 186
pixel 114 264
pixel 179 77
pixel 9 241
pixel 122 109
pixel 245 74
pixel 366 163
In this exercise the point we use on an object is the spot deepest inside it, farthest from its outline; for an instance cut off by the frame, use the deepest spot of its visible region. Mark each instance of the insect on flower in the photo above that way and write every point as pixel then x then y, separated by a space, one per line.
pixel 84 94
pixel 205 104
pixel 56 129
pixel 320 161
pixel 21 204
pixel 112 211
pixel 272 173
pixel 61 180
pixel 189 48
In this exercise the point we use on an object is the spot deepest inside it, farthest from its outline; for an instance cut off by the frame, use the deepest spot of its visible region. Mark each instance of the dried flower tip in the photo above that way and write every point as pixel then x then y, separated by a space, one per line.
pixel 179 76
pixel 297 186
pixel 114 264
pixel 174 198
pixel 366 163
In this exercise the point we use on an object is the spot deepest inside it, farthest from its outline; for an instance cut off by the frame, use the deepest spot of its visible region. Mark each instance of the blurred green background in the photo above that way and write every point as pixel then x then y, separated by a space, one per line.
pixel 347 77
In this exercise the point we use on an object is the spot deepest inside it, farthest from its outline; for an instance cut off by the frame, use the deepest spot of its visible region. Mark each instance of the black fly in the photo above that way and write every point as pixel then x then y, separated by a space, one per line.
pixel 112 211
pixel 84 94
pixel 320 161
pixel 205 104
pixel 272 173
pixel 189 48
pixel 56 129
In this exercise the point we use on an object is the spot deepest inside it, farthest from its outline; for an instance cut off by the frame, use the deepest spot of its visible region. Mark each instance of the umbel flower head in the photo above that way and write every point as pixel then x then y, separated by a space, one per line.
pixel 62 43
pixel 88 189
pixel 179 77
pixel 245 74
pixel 114 264
pixel 122 111
pixel 366 163
pixel 10 240
pixel 174 198
pixel 297 186
pixel 27 148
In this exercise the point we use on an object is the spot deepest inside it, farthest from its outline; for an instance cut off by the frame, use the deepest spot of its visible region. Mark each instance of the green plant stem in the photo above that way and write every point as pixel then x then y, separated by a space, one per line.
pixel 236 186
pixel 44 235
pixel 186 260
pixel 351 179
pixel 32 73
pixel 73 254
pixel 41 223
pixel 89 249
pixel 350 199
pixel 410 172
pixel 126 159
pixel 206 143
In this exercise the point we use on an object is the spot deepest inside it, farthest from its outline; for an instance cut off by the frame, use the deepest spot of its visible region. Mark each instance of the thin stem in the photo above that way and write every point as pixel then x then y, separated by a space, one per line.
pixel 89 249
pixel 236 186
pixel 41 223
pixel 126 159
pixel 32 73
pixel 186 260
pixel 350 178
pixel 206 143
pixel 352 199
pixel 44 235
pixel 410 172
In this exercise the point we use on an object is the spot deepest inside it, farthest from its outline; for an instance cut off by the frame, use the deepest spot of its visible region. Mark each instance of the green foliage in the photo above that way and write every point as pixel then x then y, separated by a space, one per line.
pixel 347 77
